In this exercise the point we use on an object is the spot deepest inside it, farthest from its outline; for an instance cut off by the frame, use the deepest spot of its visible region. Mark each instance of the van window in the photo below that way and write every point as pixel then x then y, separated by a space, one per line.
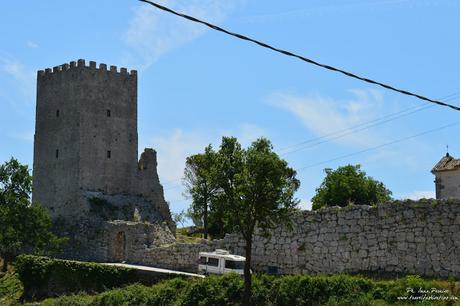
pixel 230 264
pixel 202 260
pixel 213 262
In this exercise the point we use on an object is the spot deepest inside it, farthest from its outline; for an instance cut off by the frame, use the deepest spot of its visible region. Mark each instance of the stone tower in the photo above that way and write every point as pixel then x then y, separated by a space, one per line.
pixel 86 144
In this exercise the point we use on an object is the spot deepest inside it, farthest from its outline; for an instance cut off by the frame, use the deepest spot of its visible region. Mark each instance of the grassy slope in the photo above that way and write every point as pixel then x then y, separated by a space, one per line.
pixel 183 237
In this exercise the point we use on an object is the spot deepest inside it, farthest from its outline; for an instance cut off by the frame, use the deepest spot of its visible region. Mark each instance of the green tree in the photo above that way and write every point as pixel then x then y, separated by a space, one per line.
pixel 349 185
pixel 257 191
pixel 180 217
pixel 25 227
pixel 200 184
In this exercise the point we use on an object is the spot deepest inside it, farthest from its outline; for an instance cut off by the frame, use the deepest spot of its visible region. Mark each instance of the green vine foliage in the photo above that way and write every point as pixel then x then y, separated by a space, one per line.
pixel 38 273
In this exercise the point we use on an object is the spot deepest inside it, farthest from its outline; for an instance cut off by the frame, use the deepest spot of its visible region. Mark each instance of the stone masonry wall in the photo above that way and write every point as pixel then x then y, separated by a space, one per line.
pixel 112 241
pixel 402 237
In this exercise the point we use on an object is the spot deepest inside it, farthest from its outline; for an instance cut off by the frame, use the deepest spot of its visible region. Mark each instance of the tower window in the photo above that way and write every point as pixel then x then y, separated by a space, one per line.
pixel 57 153
pixel 109 153
pixel 108 113
pixel 57 113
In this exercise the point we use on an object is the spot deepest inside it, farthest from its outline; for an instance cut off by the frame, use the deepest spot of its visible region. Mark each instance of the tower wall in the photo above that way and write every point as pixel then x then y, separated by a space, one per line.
pixel 108 129
pixel 85 135
pixel 57 141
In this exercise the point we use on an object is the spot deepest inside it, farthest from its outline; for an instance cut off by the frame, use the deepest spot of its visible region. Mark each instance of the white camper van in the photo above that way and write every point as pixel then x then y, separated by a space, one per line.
pixel 220 262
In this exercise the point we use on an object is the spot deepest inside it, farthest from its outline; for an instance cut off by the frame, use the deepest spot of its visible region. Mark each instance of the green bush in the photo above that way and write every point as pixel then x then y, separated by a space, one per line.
pixel 40 275
pixel 267 290
pixel 10 288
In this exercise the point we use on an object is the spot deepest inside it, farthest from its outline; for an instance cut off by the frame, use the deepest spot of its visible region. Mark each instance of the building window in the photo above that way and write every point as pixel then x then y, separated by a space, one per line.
pixel 57 113
pixel 57 153
pixel 108 113
pixel 109 154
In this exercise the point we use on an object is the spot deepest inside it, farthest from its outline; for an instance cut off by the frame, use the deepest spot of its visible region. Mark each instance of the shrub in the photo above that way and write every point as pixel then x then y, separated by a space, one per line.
pixel 268 290
pixel 40 275
pixel 10 288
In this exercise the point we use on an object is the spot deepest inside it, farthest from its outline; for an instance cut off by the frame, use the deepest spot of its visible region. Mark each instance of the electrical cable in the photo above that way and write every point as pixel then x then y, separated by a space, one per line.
pixel 302 58
pixel 379 146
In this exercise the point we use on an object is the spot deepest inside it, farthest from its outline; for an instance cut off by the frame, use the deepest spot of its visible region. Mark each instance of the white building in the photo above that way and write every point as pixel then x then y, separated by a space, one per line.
pixel 447 173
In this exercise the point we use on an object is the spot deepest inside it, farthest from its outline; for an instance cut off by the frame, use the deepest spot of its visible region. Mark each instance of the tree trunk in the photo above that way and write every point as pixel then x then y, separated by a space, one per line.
pixel 205 219
pixel 247 275
pixel 5 264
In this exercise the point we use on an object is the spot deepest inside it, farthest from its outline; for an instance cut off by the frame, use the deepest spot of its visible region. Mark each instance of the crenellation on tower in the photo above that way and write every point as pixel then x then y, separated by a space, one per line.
pixel 81 63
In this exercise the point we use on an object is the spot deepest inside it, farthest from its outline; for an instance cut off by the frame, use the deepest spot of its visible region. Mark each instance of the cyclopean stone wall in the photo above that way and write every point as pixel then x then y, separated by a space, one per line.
pixel 420 237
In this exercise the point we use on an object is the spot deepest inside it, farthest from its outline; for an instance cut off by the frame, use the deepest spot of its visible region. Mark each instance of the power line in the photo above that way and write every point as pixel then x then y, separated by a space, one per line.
pixel 352 130
pixel 348 131
pixel 379 146
pixel 302 58
pixel 340 134
pixel 380 120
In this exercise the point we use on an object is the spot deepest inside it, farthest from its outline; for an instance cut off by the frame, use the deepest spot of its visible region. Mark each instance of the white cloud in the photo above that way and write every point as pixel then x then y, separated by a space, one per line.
pixel 27 136
pixel 13 68
pixel 246 133
pixel 152 32
pixel 32 45
pixel 417 195
pixel 323 115
pixel 175 146
pixel 305 204
pixel 23 76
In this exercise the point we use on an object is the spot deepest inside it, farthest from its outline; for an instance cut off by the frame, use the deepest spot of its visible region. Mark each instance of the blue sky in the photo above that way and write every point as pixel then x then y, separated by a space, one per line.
pixel 196 85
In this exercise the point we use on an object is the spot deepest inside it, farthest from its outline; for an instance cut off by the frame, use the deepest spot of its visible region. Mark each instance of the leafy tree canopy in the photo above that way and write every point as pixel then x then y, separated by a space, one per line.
pixel 256 190
pixel 349 185
pixel 239 190
pixel 25 227
pixel 201 186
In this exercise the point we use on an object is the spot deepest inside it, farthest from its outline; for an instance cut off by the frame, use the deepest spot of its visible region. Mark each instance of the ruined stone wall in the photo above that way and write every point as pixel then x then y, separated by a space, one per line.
pixel 112 241
pixel 411 237
pixel 148 184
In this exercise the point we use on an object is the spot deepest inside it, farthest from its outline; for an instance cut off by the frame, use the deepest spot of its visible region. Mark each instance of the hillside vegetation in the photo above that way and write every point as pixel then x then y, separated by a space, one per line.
pixel 90 283
pixel 272 290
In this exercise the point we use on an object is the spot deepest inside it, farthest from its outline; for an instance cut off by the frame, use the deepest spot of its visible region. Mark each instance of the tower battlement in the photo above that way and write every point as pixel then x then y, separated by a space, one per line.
pixel 81 63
